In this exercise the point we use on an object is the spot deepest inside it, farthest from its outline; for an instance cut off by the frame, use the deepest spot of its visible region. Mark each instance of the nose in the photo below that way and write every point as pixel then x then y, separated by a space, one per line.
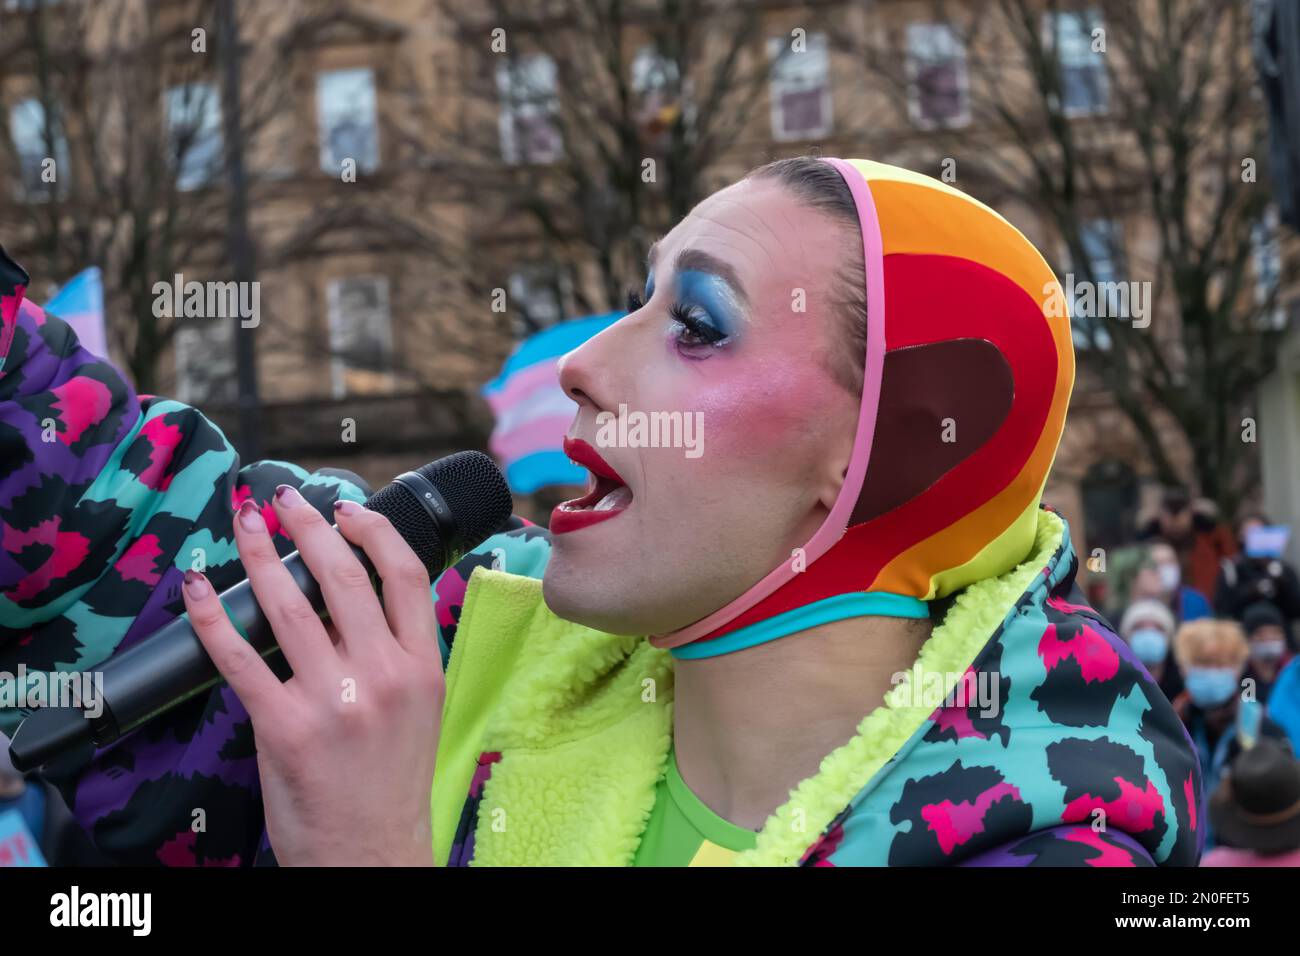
pixel 586 372
pixel 573 374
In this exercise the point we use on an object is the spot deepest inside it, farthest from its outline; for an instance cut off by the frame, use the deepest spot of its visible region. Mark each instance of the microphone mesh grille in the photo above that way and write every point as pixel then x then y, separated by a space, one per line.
pixel 475 492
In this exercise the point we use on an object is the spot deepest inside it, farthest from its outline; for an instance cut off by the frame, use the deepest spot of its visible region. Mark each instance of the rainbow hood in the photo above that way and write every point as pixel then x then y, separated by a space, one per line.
pixel 968 371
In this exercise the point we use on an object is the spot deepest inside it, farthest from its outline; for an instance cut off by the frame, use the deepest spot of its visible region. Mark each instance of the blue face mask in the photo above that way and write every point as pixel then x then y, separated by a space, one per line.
pixel 1149 644
pixel 1211 687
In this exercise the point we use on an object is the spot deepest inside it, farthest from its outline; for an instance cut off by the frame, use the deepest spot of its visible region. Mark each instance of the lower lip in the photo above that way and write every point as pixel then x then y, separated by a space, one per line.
pixel 563 521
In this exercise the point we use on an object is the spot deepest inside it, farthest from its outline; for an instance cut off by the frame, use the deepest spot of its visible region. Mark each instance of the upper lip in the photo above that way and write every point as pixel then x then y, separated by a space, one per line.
pixel 583 454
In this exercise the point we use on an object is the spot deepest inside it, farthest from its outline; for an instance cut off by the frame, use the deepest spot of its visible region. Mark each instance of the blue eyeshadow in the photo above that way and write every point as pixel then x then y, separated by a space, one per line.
pixel 712 294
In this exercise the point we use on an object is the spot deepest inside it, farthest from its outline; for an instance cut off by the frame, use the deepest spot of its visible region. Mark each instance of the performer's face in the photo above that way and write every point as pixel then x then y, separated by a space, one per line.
pixel 735 340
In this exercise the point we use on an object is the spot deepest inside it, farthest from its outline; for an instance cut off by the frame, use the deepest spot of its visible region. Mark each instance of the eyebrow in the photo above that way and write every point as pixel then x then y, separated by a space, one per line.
pixel 697 260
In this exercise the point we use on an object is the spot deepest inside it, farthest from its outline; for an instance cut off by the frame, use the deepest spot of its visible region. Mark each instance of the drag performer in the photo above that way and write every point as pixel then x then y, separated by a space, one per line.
pixel 846 634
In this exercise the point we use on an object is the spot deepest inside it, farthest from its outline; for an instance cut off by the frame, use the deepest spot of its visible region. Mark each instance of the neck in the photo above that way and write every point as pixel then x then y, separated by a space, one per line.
pixel 750 725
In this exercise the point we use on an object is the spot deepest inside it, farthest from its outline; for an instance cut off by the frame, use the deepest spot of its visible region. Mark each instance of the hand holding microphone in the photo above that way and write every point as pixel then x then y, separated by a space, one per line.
pixel 345 748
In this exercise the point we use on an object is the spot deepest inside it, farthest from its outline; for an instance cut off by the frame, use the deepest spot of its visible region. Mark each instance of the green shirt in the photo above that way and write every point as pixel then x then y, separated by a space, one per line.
pixel 684 832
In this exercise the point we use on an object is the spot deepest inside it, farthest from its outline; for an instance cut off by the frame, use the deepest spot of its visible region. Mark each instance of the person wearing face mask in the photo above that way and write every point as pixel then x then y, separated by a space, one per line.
pixel 1160 577
pixel 1257 575
pixel 1148 626
pixel 1264 627
pixel 846 634
pixel 1222 714
pixel 1284 692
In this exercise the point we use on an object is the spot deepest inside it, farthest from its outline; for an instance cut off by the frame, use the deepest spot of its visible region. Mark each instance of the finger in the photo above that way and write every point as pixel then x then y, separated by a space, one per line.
pixel 298 629
pixel 243 668
pixel 408 599
pixel 349 594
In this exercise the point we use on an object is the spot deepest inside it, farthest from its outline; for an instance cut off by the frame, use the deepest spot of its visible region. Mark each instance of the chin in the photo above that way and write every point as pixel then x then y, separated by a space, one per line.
pixel 584 599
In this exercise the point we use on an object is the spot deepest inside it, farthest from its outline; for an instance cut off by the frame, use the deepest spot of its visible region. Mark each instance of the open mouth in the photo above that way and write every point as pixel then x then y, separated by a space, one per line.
pixel 607 494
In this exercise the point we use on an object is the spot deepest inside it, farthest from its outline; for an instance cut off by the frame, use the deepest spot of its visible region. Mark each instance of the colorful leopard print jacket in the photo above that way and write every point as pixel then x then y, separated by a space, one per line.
pixel 1070 755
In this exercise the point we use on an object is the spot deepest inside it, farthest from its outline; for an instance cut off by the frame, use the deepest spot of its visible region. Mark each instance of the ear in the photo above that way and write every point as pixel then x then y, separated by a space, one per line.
pixel 939 404
pixel 835 468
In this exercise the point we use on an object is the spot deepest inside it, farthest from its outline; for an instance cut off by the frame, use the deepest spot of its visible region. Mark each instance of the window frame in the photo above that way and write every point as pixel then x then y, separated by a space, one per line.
pixel 1118 272
pixel 185 180
pixel 913 65
pixel 512 106
pixel 1089 18
pixel 776 80
pixel 62 158
pixel 324 146
pixel 338 362
pixel 187 339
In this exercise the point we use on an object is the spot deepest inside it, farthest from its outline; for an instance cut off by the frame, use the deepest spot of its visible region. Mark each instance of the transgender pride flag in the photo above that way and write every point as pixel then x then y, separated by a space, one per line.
pixel 532 412
pixel 80 303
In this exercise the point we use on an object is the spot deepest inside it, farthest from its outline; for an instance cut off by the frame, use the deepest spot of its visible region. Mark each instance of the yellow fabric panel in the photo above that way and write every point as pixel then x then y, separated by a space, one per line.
pixel 710 854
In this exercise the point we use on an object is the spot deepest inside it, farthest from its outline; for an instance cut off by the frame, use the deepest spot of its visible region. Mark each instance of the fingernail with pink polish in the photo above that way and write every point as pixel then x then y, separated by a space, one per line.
pixel 347 507
pixel 250 516
pixel 196 585
pixel 288 496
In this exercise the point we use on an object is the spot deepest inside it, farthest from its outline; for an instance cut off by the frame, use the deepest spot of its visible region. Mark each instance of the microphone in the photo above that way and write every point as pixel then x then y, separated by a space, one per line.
pixel 443 510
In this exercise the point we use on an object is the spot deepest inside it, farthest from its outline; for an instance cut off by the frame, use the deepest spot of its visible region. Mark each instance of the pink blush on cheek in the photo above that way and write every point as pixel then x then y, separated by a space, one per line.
pixel 751 410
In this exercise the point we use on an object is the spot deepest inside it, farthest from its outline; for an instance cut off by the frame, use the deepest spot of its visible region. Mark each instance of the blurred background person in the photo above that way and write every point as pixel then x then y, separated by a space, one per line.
pixel 1160 577
pixel 1148 627
pixel 1265 633
pixel 1284 701
pixel 1255 810
pixel 1222 721
pixel 36 828
pixel 1257 574
pixel 1200 541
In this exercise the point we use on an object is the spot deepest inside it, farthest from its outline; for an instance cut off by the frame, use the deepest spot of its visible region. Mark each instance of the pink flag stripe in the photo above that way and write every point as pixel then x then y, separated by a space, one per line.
pixel 541 434
pixel 518 387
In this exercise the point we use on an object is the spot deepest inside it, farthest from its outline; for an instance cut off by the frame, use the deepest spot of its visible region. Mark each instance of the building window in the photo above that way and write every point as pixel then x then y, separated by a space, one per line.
pixel 937 82
pixel 1266 257
pixel 658 101
pixel 800 88
pixel 538 297
pixel 348 120
pixel 1084 87
pixel 530 104
pixel 193 113
pixel 361 335
pixel 1102 245
pixel 205 361
pixel 37 179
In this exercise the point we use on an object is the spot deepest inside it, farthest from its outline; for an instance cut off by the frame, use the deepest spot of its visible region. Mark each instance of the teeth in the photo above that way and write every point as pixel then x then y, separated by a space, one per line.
pixel 618 498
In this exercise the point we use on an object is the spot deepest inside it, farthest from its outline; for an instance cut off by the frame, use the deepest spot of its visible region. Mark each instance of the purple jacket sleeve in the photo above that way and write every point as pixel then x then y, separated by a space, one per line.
pixel 106 498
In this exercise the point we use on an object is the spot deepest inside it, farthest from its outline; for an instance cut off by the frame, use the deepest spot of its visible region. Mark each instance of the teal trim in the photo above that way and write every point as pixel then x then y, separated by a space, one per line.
pixel 855 604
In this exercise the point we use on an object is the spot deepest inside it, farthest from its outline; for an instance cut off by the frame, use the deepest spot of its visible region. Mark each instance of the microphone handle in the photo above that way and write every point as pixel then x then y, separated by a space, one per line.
pixel 173 666
pixel 162 671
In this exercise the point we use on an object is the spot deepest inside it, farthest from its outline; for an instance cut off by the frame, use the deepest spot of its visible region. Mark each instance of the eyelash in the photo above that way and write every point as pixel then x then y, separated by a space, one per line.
pixel 705 335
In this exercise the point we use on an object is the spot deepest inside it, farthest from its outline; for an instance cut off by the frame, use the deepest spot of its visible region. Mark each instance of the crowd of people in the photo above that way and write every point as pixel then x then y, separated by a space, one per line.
pixel 1211 612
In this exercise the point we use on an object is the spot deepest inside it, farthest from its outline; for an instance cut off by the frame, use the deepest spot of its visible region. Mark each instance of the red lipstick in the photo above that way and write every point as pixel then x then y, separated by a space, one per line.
pixel 608 498
pixel 583 454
